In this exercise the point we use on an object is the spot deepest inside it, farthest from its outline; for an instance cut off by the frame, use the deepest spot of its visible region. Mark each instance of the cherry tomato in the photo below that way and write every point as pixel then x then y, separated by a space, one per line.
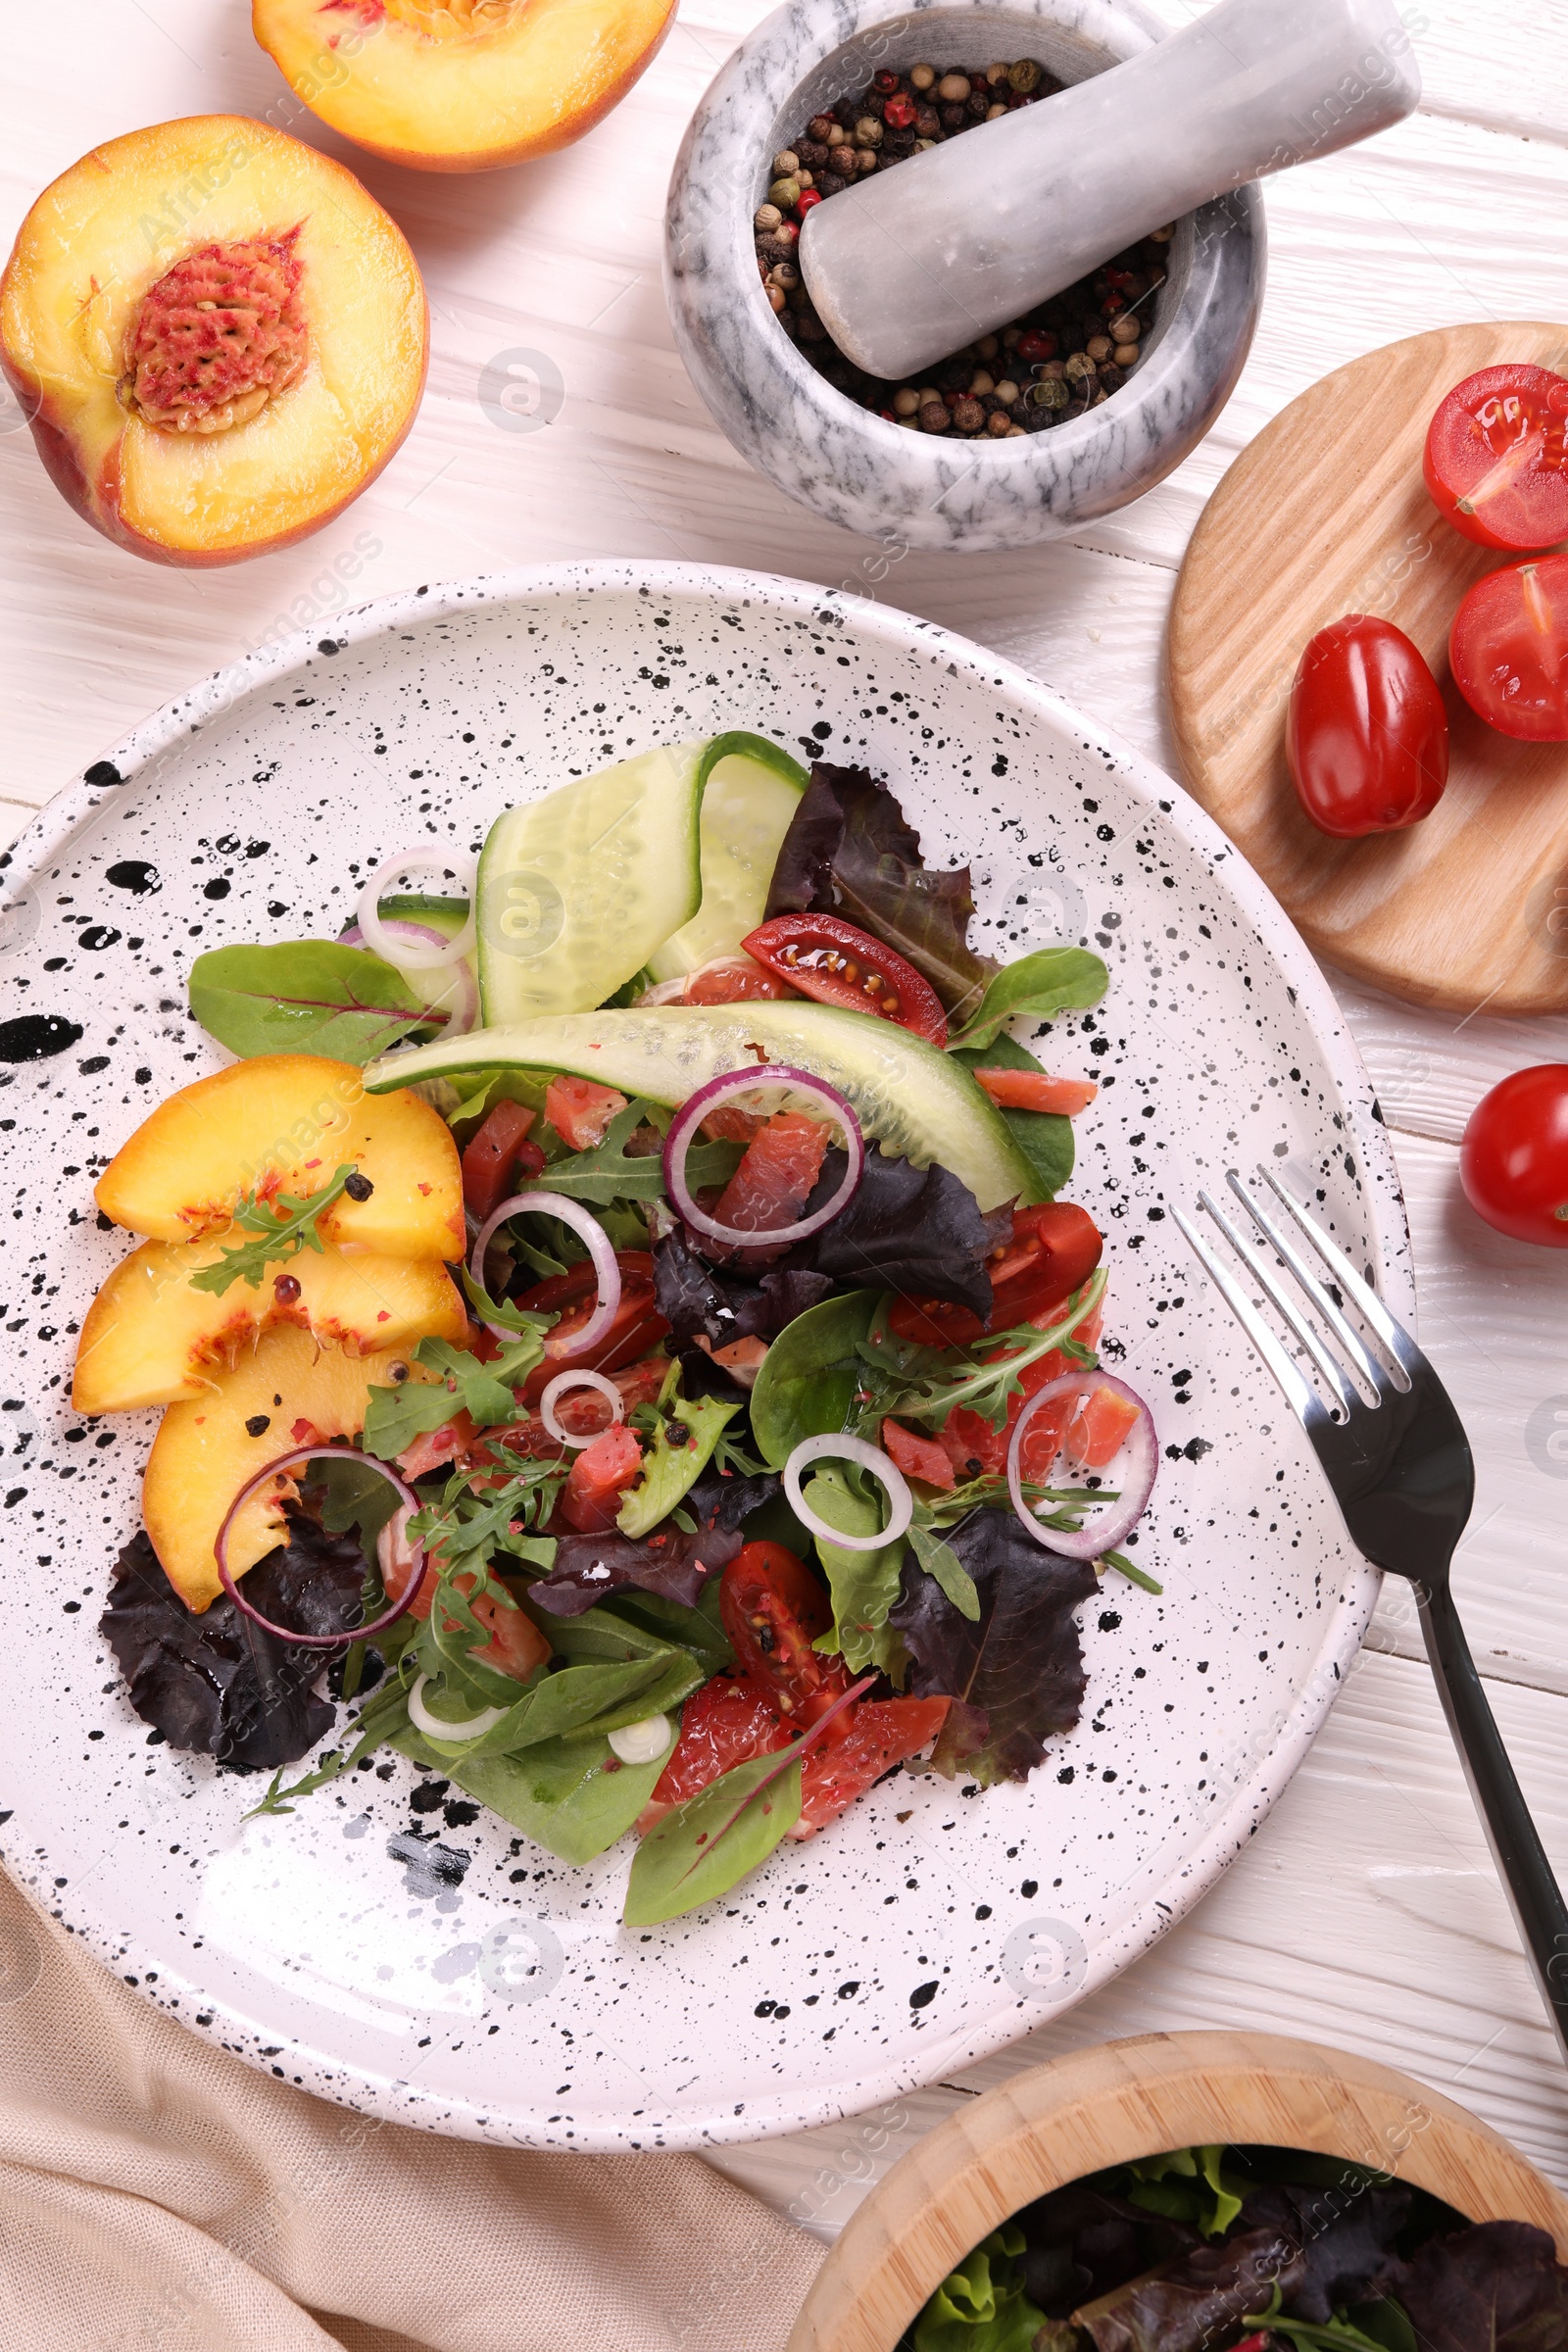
pixel 1495 460
pixel 837 963
pixel 881 1733
pixel 1367 736
pixel 733 980
pixel 1508 649
pixel 974 1448
pixel 1053 1251
pixel 1514 1162
pixel 772 1608
pixel 638 1325
pixel 495 1155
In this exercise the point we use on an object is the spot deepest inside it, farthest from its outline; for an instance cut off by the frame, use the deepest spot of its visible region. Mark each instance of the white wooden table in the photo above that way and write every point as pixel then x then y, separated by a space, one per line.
pixel 1366 1914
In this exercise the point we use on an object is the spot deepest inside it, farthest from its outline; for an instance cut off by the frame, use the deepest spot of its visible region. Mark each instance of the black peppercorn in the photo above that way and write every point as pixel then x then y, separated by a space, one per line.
pixel 357 1187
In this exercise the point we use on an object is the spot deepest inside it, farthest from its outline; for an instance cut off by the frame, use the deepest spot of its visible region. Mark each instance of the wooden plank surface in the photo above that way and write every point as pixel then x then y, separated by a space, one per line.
pixel 1365 1914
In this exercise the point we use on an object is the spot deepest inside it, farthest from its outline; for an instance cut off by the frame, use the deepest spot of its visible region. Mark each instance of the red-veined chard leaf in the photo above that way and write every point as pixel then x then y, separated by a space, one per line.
pixel 307 995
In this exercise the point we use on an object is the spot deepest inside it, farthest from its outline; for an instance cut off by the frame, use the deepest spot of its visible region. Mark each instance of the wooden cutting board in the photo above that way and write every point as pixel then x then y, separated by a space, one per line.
pixel 1326 514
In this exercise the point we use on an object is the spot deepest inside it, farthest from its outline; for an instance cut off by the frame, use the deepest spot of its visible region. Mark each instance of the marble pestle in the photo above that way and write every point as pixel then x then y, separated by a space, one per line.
pixel 907 266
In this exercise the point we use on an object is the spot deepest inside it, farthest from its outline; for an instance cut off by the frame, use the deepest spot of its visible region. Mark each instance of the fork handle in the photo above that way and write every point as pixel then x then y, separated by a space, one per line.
pixel 1521 1858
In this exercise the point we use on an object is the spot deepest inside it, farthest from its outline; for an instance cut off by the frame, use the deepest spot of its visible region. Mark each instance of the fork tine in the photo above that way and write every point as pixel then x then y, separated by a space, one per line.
pixel 1348 1340
pixel 1301 1397
pixel 1310 1339
pixel 1397 1340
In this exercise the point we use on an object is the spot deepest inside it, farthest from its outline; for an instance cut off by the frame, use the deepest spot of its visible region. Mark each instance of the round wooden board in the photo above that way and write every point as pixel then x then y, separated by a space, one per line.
pixel 1126 2099
pixel 1326 514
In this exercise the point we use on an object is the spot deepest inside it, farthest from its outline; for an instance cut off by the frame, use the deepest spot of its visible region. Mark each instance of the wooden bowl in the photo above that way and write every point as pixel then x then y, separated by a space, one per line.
pixel 1126 2099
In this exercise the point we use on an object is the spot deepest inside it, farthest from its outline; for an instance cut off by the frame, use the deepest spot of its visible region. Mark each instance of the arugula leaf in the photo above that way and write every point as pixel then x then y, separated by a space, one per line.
pixel 1036 987
pixel 285 1224
pixel 1019 1662
pixel 813 1376
pixel 395 1418
pixel 850 851
pixel 702 1847
pixel 938 1558
pixel 1044 1136
pixel 606 1173
pixel 926 1384
pixel 307 995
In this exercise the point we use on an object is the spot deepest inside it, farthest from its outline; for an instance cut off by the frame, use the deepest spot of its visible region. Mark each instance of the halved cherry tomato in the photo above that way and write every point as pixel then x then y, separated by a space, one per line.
pixel 638 1325
pixel 733 980
pixel 1053 1249
pixel 1496 461
pixel 1514 1162
pixel 1508 649
pixel 916 1456
pixel 1033 1089
pixel 772 1608
pixel 1367 736
pixel 579 1112
pixel 496 1155
pixel 773 1182
pixel 837 963
pixel 600 1475
pixel 1100 1429
pixel 725 1723
pixel 881 1733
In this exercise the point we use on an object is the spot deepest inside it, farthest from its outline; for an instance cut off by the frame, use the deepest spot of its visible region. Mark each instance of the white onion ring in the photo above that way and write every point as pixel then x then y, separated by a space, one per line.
pixel 579 1380
pixel 1105 1533
pixel 588 1230
pixel 367 912
pixel 901 1502
pixel 643 1743
pixel 471 1727
pixel 690 1117
pixel 465 1012
pixel 665 992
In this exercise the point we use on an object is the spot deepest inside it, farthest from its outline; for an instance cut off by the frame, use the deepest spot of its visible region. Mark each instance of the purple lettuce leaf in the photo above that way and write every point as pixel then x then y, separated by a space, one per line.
pixel 671 1561
pixel 1021 1664
pixel 916 1231
pixel 218 1685
pixel 1498 2284
pixel 850 851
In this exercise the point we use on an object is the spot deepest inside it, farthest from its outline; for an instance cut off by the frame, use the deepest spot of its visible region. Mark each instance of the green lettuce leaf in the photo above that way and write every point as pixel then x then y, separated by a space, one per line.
pixel 306 996
pixel 1037 988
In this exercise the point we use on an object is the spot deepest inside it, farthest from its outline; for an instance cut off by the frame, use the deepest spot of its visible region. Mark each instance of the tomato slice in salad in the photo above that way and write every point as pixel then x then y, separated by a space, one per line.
pixel 774 1180
pixel 1053 1249
pixel 1495 460
pixel 580 1111
pixel 916 1456
pixel 837 963
pixel 495 1155
pixel 976 1450
pixel 773 1609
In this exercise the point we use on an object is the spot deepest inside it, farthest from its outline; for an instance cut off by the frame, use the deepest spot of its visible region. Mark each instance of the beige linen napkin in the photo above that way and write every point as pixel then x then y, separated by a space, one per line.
pixel 158 2196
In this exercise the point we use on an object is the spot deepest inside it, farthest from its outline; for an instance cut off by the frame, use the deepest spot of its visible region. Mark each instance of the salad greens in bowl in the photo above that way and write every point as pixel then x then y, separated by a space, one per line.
pixel 634 1533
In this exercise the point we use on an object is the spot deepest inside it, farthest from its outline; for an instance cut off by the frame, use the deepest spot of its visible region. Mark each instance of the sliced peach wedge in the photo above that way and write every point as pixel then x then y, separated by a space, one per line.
pixel 287 1392
pixel 460 85
pixel 219 337
pixel 151 1337
pixel 285 1124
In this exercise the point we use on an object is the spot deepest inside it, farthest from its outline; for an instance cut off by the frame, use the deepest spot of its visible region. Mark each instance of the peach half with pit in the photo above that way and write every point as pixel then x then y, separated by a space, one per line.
pixel 150 1337
pixel 217 335
pixel 285 1124
pixel 460 85
pixel 286 1393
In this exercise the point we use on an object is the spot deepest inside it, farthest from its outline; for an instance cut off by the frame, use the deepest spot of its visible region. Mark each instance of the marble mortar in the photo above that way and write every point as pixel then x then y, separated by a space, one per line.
pixel 913 489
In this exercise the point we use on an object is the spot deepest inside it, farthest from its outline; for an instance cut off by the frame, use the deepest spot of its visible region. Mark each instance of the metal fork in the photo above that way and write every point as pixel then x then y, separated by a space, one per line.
pixel 1401 1473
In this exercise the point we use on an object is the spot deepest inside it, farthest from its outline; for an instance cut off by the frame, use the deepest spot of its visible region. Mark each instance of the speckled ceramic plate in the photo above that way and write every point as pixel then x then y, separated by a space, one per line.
pixel 382 1946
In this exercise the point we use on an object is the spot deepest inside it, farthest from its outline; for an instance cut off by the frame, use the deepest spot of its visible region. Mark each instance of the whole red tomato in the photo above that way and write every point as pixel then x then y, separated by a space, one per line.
pixel 1514 1162
pixel 1508 649
pixel 1367 736
pixel 1495 458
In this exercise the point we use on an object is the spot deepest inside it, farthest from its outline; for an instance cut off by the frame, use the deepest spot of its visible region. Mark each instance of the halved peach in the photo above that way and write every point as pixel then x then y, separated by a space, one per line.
pixel 285 1392
pixel 283 1123
pixel 218 336
pixel 460 85
pixel 150 1338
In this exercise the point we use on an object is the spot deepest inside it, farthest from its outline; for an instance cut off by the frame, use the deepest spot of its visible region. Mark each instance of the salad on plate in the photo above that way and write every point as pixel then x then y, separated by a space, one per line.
pixel 619 1331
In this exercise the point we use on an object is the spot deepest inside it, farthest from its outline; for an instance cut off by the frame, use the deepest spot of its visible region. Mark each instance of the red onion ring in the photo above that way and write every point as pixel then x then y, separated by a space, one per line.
pixel 367 911
pixel 465 1013
pixel 1103 1536
pixel 588 1230
pixel 354 1633
pixel 696 1108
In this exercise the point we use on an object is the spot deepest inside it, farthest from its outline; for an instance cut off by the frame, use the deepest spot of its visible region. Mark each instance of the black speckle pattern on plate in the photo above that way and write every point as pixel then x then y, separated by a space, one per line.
pixel 441 1970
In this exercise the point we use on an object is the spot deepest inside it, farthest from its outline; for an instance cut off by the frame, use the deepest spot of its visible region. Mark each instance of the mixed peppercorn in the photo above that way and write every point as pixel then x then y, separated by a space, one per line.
pixel 1058 359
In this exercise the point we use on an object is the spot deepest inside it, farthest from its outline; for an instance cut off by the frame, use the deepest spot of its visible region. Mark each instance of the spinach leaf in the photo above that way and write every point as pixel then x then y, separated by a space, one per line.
pixel 1037 987
pixel 1044 1136
pixel 306 996
pixel 575 1797
pixel 682 1448
pixel 863 1585
pixel 850 851
pixel 702 1847
pixel 1019 1663
pixel 698 1628
pixel 812 1375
